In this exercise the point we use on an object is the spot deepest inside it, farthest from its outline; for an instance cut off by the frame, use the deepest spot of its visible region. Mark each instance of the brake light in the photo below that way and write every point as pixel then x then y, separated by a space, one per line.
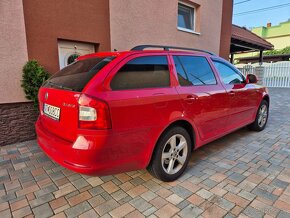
pixel 93 113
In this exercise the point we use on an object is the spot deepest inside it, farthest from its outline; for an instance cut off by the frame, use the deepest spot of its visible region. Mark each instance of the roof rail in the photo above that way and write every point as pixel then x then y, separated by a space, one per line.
pixel 166 48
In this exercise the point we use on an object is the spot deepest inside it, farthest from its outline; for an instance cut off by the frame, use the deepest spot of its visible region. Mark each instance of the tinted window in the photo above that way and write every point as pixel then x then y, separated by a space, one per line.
pixel 75 76
pixel 185 17
pixel 194 71
pixel 182 77
pixel 227 74
pixel 142 72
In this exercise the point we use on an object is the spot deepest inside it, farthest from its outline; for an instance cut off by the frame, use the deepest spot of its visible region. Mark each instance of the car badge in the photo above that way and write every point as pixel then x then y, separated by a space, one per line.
pixel 46 96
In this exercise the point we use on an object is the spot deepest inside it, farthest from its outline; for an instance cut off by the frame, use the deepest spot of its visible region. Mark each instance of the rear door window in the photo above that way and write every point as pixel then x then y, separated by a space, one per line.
pixel 75 76
pixel 194 71
pixel 142 72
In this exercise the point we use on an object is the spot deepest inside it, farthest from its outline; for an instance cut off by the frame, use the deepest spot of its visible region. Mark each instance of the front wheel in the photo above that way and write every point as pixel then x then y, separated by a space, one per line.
pixel 261 118
pixel 171 155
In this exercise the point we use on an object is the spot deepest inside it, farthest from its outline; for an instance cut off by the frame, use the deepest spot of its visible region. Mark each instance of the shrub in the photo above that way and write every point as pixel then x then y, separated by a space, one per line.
pixel 285 50
pixel 33 75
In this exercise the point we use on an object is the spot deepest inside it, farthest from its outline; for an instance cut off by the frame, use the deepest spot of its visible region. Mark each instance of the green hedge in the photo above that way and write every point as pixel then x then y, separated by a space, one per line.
pixel 285 50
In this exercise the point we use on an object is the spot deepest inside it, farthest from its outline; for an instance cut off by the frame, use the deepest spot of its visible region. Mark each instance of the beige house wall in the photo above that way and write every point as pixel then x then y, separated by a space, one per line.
pixel 13 50
pixel 155 22
pixel 280 42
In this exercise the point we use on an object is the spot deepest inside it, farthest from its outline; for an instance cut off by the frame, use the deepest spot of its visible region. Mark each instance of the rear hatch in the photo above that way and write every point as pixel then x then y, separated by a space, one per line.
pixel 58 97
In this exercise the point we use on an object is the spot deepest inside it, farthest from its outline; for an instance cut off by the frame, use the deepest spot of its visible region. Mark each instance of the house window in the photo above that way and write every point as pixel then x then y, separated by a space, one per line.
pixel 186 16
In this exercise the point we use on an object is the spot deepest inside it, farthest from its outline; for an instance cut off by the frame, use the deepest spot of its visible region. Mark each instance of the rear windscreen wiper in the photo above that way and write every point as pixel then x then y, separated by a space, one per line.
pixel 60 86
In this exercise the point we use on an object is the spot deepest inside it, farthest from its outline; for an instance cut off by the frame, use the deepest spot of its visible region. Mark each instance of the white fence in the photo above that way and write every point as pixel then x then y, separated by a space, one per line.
pixel 275 74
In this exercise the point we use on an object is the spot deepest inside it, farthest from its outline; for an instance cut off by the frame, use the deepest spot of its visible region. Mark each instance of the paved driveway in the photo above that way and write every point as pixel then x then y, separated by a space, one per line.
pixel 242 174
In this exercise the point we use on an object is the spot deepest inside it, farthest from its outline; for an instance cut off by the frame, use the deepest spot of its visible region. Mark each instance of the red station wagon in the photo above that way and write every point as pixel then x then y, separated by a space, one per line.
pixel 112 112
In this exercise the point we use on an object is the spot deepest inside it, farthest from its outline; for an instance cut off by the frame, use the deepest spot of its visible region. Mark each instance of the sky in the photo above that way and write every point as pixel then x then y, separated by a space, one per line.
pixel 280 12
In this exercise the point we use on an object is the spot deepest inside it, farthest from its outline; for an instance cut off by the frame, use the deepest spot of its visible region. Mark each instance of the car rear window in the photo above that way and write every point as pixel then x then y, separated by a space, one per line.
pixel 75 76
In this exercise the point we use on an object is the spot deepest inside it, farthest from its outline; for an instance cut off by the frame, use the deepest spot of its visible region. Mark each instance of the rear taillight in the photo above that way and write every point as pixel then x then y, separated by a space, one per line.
pixel 93 113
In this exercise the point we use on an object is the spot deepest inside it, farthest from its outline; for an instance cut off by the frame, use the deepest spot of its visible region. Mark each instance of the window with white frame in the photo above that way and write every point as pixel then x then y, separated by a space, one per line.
pixel 186 16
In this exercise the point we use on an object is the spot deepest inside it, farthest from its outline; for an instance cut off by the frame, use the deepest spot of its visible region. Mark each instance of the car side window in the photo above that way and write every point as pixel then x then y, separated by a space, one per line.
pixel 193 70
pixel 142 72
pixel 182 77
pixel 227 74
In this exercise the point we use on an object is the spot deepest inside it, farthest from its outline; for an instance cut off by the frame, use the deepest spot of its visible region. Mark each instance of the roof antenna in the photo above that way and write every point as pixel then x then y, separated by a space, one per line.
pixel 115 49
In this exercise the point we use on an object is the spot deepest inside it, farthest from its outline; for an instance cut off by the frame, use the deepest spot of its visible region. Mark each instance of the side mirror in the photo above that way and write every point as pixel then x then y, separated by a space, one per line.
pixel 251 78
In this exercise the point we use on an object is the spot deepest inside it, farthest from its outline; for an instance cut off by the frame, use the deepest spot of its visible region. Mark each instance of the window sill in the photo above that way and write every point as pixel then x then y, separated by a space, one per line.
pixel 188 31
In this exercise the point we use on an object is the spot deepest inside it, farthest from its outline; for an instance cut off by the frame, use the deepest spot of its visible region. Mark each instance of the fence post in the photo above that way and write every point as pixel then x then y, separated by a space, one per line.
pixel 260 71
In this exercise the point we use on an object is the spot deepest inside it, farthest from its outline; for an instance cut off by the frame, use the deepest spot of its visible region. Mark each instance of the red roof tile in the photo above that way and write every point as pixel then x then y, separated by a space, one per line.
pixel 243 34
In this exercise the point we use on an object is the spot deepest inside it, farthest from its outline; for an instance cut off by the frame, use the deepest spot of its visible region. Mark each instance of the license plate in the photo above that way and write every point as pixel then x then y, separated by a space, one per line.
pixel 51 111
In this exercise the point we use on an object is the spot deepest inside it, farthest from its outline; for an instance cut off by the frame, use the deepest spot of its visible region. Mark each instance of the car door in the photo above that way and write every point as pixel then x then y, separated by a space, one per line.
pixel 243 97
pixel 203 97
pixel 141 99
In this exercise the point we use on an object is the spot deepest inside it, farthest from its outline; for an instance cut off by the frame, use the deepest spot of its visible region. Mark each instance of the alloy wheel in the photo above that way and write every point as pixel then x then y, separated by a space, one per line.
pixel 263 114
pixel 174 154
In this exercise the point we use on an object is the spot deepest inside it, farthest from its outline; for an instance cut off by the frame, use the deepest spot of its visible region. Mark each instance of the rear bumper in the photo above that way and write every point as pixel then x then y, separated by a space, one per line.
pixel 92 154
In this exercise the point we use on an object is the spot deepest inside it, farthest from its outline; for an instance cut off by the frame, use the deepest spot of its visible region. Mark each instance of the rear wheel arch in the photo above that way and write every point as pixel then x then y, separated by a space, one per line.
pixel 187 126
pixel 184 124
pixel 267 98
pixel 156 166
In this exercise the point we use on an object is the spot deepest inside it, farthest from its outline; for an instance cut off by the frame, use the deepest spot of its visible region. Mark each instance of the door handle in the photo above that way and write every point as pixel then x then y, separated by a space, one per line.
pixel 231 93
pixel 190 98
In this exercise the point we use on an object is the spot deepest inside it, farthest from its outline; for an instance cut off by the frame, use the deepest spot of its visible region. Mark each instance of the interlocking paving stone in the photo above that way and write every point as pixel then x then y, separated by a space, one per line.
pixel 80 183
pixel 204 194
pixel 118 195
pixel 96 191
pixel 247 195
pixel 89 214
pixel 167 211
pixel 265 194
pixel 190 211
pixel 252 212
pixel 122 210
pixel 78 209
pixel 21 212
pixel 283 214
pixel 106 207
pixel 43 211
pixel 237 177
pixel 140 204
pixel 46 190
pixel 182 192
pixel 7 213
pixel 150 211
pixel 41 200
pixel 223 203
pixel 149 195
pixel 242 174
pixel 280 184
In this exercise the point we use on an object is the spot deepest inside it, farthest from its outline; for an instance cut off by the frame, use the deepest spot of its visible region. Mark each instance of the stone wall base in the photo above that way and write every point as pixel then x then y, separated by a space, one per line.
pixel 17 122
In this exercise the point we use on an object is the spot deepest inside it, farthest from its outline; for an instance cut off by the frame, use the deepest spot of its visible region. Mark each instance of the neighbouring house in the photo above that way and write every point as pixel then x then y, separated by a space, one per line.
pixel 278 36
pixel 55 32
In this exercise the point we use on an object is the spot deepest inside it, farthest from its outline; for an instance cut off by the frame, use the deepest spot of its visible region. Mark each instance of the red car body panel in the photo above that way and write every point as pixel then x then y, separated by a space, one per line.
pixel 139 117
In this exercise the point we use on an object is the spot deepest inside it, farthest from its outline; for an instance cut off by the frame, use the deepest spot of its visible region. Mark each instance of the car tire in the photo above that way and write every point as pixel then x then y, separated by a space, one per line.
pixel 171 154
pixel 261 118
